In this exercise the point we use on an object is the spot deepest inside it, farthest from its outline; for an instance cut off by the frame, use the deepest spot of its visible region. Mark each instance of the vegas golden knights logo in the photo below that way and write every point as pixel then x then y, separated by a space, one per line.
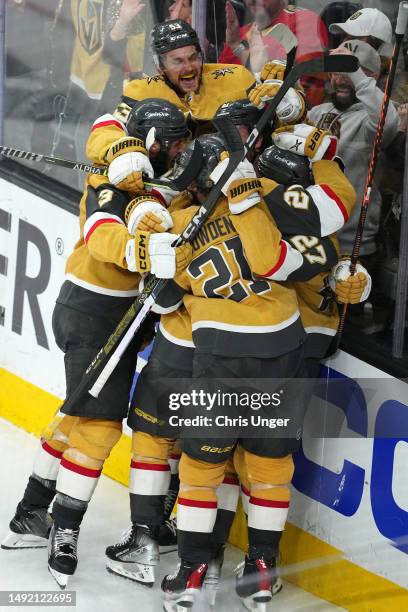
pixel 89 20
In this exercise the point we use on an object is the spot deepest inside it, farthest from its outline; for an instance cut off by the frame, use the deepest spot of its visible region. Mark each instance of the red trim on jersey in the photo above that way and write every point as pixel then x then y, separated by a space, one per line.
pixel 194 503
pixel 282 257
pixel 106 123
pixel 336 198
pixel 96 224
pixel 332 149
pixel 159 196
pixel 80 469
pixel 269 503
pixel 157 467
pixel 230 480
pixel 51 451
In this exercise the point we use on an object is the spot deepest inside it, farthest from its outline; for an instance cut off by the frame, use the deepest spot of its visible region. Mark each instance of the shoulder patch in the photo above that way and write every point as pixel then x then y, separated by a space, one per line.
pixel 154 79
pixel 220 72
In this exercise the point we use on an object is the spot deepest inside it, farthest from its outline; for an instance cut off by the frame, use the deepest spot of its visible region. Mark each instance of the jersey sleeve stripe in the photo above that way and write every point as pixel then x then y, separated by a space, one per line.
pixel 332 212
pixel 289 260
pixel 106 120
pixel 95 221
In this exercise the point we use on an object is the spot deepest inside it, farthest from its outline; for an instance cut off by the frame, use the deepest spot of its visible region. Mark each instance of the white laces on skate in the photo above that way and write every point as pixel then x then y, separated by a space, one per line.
pixel 170 501
pixel 173 576
pixel 171 525
pixel 67 537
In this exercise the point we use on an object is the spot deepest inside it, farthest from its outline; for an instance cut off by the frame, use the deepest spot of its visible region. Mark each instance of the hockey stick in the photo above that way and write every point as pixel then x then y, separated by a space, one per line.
pixel 400 29
pixel 109 355
pixel 179 184
pixel 286 38
pixel 55 161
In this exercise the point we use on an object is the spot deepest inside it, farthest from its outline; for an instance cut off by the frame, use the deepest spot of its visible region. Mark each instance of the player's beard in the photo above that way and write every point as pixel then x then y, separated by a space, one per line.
pixel 344 100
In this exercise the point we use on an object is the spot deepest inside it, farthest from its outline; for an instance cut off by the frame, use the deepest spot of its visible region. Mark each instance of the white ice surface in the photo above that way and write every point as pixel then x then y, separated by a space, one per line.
pixel 108 515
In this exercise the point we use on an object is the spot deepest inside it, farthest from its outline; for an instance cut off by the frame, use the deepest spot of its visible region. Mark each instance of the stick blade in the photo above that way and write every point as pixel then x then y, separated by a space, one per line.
pixel 230 135
pixel 340 63
pixel 284 36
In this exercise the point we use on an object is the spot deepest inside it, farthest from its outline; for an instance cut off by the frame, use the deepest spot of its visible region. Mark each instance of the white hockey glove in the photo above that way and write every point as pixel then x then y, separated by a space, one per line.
pixel 290 110
pixel 154 253
pixel 128 161
pixel 148 215
pixel 350 289
pixel 242 188
pixel 306 140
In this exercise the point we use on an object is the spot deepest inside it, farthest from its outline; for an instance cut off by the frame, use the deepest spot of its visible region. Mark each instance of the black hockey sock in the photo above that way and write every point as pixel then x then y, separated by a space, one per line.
pixel 171 496
pixel 263 543
pixel 68 512
pixel 147 509
pixel 221 529
pixel 194 547
pixel 38 494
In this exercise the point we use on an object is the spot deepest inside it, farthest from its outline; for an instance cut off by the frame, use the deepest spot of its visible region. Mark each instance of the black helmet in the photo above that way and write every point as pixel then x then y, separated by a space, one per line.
pixel 285 167
pixel 212 146
pixel 167 120
pixel 240 112
pixel 171 35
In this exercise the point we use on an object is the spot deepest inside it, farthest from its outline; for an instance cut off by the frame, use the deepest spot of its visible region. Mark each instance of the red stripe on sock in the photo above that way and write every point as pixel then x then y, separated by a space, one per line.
pixel 270 503
pixel 246 491
pixel 51 451
pixel 194 503
pixel 80 469
pixel 231 481
pixel 158 467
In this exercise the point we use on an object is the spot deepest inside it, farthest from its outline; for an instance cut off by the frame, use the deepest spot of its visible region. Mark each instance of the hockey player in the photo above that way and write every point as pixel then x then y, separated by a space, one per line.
pixel 174 344
pixel 99 287
pixel 197 89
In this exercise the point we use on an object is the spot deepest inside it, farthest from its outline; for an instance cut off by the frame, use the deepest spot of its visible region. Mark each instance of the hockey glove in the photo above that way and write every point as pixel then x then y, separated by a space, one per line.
pixel 128 161
pixel 145 213
pixel 154 253
pixel 273 70
pixel 306 140
pixel 291 109
pixel 350 289
pixel 242 188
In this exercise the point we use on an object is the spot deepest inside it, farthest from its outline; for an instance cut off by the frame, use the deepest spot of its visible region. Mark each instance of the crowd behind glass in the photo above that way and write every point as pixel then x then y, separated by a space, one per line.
pixel 67 61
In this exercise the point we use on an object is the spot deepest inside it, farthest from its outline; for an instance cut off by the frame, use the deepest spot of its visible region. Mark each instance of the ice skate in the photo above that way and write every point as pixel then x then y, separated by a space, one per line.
pixel 257 581
pixel 62 554
pixel 168 536
pixel 28 529
pixel 213 576
pixel 180 590
pixel 135 556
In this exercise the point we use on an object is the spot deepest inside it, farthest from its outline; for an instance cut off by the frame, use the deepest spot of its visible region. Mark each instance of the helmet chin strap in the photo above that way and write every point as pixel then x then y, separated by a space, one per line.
pixel 150 138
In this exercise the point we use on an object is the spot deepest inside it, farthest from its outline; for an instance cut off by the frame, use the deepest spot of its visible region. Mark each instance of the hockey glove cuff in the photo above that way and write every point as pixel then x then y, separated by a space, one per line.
pixel 306 140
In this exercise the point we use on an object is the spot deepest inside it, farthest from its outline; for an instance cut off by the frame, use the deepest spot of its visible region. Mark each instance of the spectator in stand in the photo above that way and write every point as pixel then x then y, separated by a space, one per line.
pixel 241 42
pixel 369 25
pixel 352 116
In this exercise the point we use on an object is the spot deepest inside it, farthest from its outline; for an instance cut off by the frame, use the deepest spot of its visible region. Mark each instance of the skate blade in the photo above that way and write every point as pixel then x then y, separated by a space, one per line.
pixel 60 579
pixel 172 607
pixel 143 574
pixel 14 541
pixel 257 602
pixel 210 590
pixel 277 587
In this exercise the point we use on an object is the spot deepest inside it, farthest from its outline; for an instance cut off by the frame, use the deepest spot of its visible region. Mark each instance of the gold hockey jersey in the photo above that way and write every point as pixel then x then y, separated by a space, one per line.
pixel 233 311
pixel 220 83
pixel 96 270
